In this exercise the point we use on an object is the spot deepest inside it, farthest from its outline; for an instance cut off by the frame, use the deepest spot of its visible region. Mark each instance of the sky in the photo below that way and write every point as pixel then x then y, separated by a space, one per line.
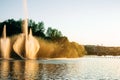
pixel 88 22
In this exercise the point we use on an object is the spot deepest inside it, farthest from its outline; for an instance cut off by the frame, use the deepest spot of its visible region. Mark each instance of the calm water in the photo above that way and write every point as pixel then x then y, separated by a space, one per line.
pixel 86 68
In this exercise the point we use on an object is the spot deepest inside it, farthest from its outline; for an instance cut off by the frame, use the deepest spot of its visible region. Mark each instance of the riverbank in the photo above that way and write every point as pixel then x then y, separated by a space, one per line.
pixel 102 50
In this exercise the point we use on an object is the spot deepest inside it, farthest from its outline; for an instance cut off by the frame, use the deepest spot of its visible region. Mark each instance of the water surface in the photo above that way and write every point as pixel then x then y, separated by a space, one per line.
pixel 85 68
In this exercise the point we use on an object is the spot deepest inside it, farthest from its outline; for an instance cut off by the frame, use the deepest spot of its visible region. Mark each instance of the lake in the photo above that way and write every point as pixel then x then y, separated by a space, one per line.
pixel 85 68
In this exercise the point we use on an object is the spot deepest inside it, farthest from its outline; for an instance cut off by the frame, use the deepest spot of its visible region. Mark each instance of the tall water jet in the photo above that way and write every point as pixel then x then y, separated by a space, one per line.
pixel 32 46
pixel 5 46
pixel 26 45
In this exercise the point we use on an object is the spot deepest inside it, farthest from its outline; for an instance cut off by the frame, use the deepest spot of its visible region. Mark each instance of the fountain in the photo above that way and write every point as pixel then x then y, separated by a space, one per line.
pixel 5 46
pixel 26 46
pixel 32 46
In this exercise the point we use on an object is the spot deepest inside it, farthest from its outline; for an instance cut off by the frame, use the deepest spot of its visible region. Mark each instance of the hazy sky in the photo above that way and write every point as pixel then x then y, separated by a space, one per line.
pixel 83 21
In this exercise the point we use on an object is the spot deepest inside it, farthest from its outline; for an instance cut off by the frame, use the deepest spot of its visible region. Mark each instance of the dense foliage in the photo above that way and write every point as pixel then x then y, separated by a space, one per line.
pixel 38 29
pixel 53 33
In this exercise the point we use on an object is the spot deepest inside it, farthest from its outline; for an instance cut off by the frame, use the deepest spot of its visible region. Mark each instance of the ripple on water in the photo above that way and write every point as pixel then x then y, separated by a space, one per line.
pixel 86 68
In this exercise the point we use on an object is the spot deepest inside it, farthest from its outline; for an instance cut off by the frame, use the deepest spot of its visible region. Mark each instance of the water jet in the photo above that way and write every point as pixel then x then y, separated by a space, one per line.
pixel 26 46
pixel 5 46
pixel 32 46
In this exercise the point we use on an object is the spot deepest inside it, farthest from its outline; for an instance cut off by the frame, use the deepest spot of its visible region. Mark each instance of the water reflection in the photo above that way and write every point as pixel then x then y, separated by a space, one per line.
pixel 31 70
pixel 34 70
pixel 86 68
pixel 4 69
pixel 18 70
pixel 60 71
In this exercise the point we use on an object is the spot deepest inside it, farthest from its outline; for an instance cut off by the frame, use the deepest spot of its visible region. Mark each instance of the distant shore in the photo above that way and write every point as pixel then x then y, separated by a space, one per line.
pixel 102 50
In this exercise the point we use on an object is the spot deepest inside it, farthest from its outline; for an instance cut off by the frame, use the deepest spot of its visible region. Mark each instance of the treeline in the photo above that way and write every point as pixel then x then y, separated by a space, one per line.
pixel 15 27
pixel 102 50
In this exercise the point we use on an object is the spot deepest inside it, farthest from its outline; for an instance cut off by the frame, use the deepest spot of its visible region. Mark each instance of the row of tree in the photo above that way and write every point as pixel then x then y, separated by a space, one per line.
pixel 102 50
pixel 15 27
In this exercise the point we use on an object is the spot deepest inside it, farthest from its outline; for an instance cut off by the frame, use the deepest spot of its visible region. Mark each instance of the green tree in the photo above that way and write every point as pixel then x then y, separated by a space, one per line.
pixel 12 27
pixel 40 27
pixel 32 24
pixel 15 27
pixel 53 33
pixel 37 28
